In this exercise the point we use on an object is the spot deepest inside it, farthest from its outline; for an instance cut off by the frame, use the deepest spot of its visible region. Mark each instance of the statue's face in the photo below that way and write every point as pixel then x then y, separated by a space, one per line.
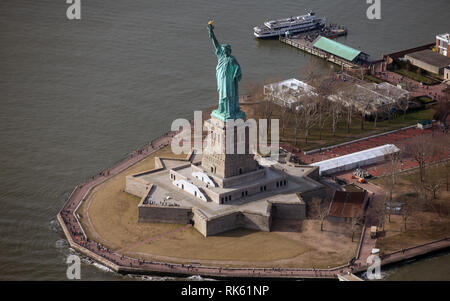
pixel 226 49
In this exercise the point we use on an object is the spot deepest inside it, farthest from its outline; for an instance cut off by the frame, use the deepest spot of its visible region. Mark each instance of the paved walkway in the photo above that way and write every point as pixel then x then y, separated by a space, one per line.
pixel 399 138
pixel 434 92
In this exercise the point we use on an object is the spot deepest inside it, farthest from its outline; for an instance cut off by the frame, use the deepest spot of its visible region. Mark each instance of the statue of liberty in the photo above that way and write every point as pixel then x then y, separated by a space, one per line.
pixel 228 74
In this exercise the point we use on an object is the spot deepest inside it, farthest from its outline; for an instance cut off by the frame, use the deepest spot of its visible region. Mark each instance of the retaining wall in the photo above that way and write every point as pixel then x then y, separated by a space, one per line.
pixel 159 214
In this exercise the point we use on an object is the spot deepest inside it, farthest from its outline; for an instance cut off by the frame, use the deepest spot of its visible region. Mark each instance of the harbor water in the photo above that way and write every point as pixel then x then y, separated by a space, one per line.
pixel 78 95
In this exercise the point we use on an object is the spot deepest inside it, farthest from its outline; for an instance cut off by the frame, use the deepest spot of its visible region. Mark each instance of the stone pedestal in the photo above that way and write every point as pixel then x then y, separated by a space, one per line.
pixel 221 162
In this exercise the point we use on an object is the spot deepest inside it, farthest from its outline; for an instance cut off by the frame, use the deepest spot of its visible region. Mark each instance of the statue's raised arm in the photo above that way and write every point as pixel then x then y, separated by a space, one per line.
pixel 213 36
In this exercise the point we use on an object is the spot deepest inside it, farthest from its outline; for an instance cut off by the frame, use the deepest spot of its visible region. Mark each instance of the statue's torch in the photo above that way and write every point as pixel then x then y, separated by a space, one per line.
pixel 210 24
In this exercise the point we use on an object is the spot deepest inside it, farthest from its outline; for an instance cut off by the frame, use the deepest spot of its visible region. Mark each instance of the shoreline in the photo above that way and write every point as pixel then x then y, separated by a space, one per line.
pixel 79 241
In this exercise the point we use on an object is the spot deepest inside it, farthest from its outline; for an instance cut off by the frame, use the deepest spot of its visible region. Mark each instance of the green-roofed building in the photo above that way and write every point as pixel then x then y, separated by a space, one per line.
pixel 340 50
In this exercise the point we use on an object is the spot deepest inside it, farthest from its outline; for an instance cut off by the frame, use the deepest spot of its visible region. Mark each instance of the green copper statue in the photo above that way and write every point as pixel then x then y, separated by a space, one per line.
pixel 228 74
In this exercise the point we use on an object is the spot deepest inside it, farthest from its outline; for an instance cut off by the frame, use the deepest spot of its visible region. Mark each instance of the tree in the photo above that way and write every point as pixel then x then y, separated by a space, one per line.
pixel 393 156
pixel 406 213
pixel 325 87
pixel 335 112
pixel 376 212
pixel 441 111
pixel 374 109
pixel 265 110
pixel 356 219
pixel 349 97
pixel 389 107
pixel 297 122
pixel 420 149
pixel 434 180
pixel 309 116
pixel 284 111
pixel 432 183
pixel 323 82
pixel 349 112
pixel 311 72
pixel 323 114
pixel 255 91
pixel 403 105
pixel 267 106
pixel 319 209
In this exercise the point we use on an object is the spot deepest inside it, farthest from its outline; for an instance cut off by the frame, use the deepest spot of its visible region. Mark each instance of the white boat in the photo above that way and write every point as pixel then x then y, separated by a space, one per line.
pixel 292 24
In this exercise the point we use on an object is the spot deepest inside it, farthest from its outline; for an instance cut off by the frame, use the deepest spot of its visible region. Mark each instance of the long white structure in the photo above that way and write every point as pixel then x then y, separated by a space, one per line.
pixel 355 160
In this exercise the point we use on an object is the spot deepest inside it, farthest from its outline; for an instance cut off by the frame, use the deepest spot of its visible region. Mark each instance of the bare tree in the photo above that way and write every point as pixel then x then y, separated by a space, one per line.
pixel 309 116
pixel 311 72
pixel 442 110
pixel 388 108
pixel 255 91
pixel 350 99
pixel 319 209
pixel 403 104
pixel 406 213
pixel 335 112
pixel 284 113
pixel 323 114
pixel 348 113
pixel 297 122
pixel 326 86
pixel 356 219
pixel 433 182
pixel 267 106
pixel 393 157
pixel 420 149
pixel 376 212
pixel 374 109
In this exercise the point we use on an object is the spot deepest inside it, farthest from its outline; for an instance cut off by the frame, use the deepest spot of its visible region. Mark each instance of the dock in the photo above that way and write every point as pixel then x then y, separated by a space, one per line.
pixel 304 43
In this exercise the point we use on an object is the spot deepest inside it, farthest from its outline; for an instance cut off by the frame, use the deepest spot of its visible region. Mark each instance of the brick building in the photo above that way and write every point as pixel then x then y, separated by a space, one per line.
pixel 443 44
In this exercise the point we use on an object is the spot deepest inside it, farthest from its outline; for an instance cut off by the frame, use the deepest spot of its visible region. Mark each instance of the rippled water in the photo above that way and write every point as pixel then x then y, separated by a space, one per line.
pixel 76 96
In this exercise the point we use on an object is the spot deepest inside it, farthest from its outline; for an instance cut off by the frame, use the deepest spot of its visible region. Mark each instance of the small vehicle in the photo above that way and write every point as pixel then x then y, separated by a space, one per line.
pixel 341 181
pixel 360 174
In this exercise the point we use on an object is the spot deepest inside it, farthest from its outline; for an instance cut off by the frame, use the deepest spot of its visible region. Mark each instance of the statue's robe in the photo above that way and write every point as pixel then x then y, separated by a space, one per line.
pixel 228 73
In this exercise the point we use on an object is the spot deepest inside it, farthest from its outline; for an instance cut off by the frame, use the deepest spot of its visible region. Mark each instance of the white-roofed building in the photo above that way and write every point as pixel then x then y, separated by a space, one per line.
pixel 355 160
pixel 370 97
pixel 288 92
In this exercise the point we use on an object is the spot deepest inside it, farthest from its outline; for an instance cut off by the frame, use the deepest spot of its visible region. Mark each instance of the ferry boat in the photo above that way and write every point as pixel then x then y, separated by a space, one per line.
pixel 293 25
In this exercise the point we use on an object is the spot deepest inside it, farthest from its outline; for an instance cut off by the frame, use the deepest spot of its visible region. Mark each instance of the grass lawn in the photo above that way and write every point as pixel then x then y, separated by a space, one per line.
pixel 423 225
pixel 425 99
pixel 110 215
pixel 417 77
pixel 373 79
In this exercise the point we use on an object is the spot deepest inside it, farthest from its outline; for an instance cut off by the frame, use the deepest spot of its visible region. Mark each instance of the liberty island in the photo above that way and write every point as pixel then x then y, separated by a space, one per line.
pixel 210 193
pixel 178 215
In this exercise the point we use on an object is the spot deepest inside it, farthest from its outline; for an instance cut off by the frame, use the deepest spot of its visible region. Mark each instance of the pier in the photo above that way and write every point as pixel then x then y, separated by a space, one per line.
pixel 305 44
